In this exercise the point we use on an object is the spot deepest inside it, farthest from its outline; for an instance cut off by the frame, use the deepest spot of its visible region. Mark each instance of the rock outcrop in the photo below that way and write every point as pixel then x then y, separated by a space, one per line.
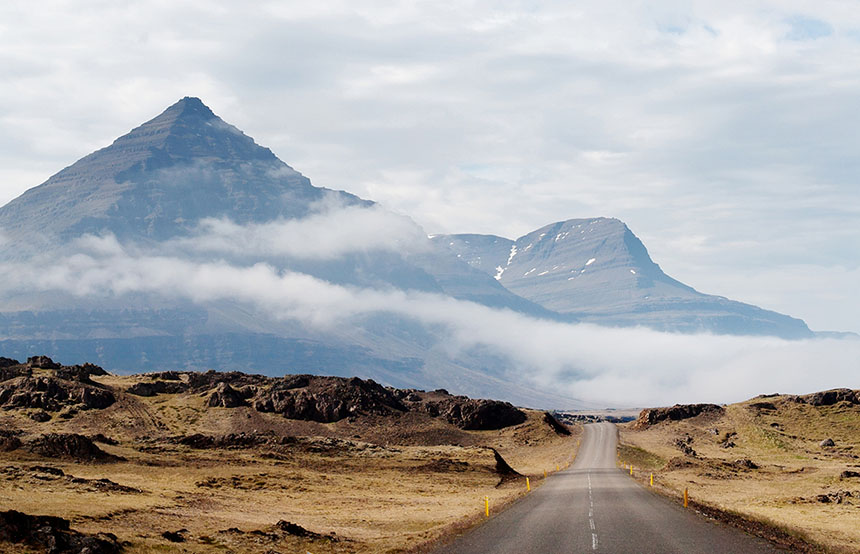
pixel 226 396
pixel 464 412
pixel 829 397
pixel 52 395
pixel 53 534
pixel 326 399
pixel 152 388
pixel 70 446
pixel 677 412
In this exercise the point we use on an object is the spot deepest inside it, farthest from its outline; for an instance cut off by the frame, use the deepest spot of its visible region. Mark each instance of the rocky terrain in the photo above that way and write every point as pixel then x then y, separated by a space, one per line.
pixel 94 462
pixel 785 466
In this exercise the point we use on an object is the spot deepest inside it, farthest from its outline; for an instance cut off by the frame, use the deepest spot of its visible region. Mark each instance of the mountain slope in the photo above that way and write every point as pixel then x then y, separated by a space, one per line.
pixel 598 270
pixel 154 188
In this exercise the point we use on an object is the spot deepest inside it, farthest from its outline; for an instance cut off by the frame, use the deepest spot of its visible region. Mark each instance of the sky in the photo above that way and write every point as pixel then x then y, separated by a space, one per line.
pixel 724 134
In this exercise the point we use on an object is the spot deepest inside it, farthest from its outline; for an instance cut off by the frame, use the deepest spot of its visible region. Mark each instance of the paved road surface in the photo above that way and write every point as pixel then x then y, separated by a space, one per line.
pixel 595 507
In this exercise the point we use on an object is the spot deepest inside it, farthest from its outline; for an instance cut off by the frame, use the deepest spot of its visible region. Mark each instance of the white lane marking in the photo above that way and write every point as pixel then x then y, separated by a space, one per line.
pixel 591 515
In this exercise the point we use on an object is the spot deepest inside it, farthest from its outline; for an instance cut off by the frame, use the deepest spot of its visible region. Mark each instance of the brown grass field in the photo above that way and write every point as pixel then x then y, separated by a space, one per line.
pixel 794 486
pixel 367 484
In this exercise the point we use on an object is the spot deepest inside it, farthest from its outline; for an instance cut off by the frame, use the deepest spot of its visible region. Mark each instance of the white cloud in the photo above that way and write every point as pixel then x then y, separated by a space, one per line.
pixel 330 232
pixel 731 121
pixel 613 366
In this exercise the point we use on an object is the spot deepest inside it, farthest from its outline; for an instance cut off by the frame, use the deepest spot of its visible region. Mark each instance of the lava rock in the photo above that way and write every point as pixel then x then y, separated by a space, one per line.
pixel 42 362
pixel 147 388
pixel 226 396
pixel 52 395
pixel 826 443
pixel 326 399
pixel 9 441
pixel 677 412
pixel 70 446
pixel 830 397
pixel 555 424
pixel 40 416
pixel 53 534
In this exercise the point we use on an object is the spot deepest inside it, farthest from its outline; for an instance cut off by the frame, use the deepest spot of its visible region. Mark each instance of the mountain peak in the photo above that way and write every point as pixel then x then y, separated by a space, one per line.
pixel 189 106
pixel 159 179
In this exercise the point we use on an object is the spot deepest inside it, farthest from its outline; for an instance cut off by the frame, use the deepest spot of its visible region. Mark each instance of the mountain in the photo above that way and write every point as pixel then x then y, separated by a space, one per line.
pixel 599 271
pixel 151 189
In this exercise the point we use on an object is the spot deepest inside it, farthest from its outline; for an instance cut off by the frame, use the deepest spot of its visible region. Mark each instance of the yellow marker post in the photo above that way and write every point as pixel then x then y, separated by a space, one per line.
pixel 652 479
pixel 544 474
pixel 557 467
pixel 685 497
pixel 528 485
pixel 487 505
pixel 631 469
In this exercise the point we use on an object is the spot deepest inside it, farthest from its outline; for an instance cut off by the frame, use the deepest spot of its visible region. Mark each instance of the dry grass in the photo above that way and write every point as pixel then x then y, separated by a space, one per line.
pixel 793 470
pixel 375 495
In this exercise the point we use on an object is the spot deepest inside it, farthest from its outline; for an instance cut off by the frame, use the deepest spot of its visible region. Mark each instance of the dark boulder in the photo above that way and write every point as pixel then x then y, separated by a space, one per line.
pixel 9 440
pixel 40 416
pixel 80 373
pixel 52 395
pixel 327 399
pixel 475 415
pixel 830 397
pixel 70 446
pixel 152 388
pixel 42 362
pixel 555 424
pixel 53 535
pixel 677 412
pixel 225 396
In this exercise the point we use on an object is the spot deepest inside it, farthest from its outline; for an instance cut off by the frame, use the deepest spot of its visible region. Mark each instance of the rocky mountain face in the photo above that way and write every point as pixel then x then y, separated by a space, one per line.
pixel 159 180
pixel 600 272
pixel 153 187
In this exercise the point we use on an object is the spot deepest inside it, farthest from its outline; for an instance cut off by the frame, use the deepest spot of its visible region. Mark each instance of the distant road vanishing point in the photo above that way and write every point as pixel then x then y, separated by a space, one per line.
pixel 594 507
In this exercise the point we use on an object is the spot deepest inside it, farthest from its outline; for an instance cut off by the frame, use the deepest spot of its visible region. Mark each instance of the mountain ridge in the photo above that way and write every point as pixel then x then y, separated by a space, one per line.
pixel 599 271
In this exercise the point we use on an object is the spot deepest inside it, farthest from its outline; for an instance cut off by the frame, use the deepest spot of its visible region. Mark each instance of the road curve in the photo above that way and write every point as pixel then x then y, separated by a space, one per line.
pixel 595 507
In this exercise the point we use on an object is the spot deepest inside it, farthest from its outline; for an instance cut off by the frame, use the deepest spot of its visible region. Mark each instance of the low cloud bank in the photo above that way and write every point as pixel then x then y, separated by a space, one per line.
pixel 619 366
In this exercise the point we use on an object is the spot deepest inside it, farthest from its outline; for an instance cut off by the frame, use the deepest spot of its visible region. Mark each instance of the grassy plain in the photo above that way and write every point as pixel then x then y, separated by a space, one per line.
pixel 762 459
pixel 366 484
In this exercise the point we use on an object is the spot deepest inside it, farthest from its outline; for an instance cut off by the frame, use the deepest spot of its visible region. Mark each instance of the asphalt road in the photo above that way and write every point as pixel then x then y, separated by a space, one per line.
pixel 595 507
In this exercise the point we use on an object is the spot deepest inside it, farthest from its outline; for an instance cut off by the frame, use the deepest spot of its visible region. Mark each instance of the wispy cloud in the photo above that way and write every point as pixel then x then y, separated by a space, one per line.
pixel 612 366
pixel 330 232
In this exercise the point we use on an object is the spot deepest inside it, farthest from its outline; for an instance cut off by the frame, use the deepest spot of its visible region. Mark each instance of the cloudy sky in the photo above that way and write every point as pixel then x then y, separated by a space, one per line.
pixel 724 134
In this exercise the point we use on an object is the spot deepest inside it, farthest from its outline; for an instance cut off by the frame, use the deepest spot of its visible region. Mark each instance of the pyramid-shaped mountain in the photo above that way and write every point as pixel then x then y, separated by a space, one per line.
pixel 150 189
pixel 159 180
pixel 600 271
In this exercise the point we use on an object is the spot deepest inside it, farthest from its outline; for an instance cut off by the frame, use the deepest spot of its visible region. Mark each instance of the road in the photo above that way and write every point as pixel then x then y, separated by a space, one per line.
pixel 595 507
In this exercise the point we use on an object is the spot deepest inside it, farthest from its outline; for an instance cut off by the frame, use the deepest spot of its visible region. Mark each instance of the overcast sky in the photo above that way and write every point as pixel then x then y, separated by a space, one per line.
pixel 724 134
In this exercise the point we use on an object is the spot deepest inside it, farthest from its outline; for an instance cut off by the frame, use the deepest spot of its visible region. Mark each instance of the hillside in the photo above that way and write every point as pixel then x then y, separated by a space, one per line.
pixel 214 461
pixel 792 462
